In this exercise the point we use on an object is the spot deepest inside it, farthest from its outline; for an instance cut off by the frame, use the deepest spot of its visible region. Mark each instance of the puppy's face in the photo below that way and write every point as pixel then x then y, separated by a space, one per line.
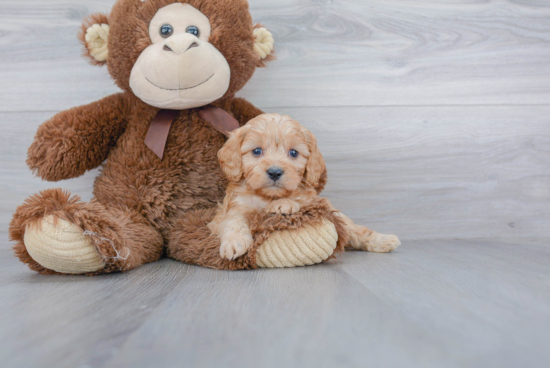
pixel 274 155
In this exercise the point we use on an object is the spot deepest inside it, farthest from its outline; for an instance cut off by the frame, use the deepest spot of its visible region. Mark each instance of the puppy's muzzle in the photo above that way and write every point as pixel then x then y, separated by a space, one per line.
pixel 275 173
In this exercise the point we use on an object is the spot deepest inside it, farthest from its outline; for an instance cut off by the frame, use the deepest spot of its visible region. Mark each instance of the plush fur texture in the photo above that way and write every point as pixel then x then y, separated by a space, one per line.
pixel 143 205
pixel 204 247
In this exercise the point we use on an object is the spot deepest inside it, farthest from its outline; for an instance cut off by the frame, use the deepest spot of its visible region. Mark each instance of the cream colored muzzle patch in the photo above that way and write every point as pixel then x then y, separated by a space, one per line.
pixel 62 247
pixel 97 38
pixel 309 245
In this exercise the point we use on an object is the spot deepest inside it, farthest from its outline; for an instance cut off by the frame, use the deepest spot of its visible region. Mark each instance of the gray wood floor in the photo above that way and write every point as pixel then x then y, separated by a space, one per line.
pixel 434 118
pixel 431 304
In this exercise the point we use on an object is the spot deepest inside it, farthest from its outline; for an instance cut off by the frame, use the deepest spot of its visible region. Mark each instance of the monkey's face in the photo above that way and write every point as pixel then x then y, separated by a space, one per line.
pixel 180 69
pixel 178 54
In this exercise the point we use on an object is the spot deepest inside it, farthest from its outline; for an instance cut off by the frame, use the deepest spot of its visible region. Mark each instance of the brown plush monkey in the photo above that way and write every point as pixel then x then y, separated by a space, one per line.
pixel 179 65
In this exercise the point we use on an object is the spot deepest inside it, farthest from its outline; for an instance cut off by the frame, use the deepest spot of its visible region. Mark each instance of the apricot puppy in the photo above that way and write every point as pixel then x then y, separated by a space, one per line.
pixel 273 164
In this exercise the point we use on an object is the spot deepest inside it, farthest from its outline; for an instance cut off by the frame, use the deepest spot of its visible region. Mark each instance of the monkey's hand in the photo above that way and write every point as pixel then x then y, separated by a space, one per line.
pixel 77 140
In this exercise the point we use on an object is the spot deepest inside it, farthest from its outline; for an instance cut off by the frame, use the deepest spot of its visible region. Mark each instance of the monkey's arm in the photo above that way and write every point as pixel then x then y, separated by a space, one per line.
pixel 244 110
pixel 77 140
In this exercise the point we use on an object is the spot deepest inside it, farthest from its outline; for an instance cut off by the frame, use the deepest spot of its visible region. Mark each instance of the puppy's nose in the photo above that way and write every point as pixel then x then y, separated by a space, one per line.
pixel 275 173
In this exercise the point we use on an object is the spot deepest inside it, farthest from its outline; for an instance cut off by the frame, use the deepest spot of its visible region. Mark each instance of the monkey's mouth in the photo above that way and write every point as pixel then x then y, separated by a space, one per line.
pixel 180 89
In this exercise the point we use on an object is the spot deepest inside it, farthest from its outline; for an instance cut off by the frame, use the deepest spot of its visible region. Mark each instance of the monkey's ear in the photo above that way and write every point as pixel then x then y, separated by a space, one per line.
pixel 263 45
pixel 94 35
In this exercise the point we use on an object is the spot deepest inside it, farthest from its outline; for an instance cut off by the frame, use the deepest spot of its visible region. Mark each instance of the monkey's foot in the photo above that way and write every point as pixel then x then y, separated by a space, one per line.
pixel 62 246
pixel 305 246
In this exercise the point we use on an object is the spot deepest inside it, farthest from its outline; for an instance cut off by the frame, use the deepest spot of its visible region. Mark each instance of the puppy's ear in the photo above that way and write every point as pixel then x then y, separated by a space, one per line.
pixel 94 35
pixel 315 167
pixel 230 155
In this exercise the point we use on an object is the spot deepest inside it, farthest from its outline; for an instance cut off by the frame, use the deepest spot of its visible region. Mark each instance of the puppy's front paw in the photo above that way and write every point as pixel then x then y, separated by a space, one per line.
pixel 283 206
pixel 235 245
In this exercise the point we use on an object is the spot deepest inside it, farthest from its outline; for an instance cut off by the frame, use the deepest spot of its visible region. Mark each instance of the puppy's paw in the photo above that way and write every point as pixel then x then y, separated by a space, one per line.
pixel 235 245
pixel 283 206
pixel 381 243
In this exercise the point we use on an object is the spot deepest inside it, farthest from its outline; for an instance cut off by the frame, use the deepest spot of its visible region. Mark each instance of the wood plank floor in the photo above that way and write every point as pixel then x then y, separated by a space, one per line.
pixel 430 304
pixel 434 119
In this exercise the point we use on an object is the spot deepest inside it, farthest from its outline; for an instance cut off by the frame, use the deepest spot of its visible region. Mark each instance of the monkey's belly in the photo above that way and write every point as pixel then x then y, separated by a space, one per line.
pixel 161 191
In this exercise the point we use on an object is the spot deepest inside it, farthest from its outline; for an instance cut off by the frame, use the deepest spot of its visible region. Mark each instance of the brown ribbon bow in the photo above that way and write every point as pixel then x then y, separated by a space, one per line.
pixel 157 136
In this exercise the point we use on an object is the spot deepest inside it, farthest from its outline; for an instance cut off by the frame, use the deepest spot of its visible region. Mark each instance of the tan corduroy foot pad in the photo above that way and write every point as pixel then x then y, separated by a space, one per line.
pixel 62 247
pixel 309 245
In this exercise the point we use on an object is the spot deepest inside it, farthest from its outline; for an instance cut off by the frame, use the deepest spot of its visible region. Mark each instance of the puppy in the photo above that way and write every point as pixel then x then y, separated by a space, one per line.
pixel 273 165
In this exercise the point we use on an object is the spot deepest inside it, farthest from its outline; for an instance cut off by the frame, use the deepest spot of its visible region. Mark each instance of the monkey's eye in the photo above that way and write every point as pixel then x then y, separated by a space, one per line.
pixel 257 152
pixel 193 30
pixel 166 30
pixel 293 153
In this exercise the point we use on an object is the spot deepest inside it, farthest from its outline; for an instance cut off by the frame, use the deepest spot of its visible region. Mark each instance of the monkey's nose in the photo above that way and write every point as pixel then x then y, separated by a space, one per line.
pixel 168 48
pixel 179 45
pixel 275 173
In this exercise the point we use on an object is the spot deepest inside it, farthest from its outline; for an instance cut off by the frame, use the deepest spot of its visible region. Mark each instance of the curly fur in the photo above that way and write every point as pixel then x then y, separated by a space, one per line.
pixel 251 189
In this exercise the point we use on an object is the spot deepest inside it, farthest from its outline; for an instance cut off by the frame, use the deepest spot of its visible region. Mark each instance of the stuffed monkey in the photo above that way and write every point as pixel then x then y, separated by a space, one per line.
pixel 179 65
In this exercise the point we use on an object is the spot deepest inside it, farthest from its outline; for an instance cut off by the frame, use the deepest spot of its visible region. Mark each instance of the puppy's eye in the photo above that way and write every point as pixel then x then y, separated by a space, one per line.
pixel 166 30
pixel 193 30
pixel 293 153
pixel 257 152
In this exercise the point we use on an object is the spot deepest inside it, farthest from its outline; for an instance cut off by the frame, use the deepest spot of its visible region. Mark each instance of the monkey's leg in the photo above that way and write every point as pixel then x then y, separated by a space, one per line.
pixel 191 241
pixel 59 234
pixel 363 238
